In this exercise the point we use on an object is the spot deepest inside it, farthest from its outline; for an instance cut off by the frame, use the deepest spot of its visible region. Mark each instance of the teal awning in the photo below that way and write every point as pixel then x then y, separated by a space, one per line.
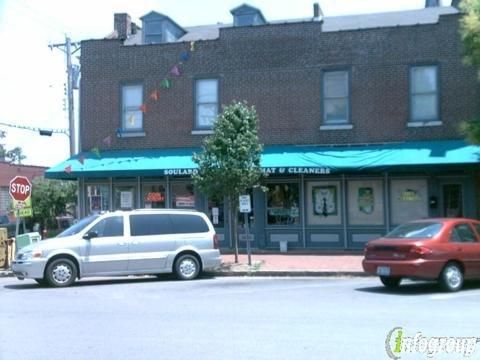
pixel 275 159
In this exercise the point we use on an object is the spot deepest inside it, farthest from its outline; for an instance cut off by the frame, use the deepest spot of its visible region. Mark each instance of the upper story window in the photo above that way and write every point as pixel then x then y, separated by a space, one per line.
pixel 158 29
pixel 132 99
pixel 245 15
pixel 336 97
pixel 206 103
pixel 153 32
pixel 424 93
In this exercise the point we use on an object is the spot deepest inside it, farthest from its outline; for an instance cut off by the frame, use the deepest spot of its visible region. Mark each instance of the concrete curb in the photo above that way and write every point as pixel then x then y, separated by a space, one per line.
pixel 282 273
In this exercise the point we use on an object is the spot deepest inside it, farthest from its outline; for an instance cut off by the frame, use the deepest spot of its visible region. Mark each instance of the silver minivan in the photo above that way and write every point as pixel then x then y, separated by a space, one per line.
pixel 146 241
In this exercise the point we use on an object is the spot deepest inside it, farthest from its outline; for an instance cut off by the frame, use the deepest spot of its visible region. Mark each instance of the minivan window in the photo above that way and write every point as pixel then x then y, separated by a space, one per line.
pixel 79 226
pixel 415 230
pixel 150 224
pixel 185 224
pixel 111 226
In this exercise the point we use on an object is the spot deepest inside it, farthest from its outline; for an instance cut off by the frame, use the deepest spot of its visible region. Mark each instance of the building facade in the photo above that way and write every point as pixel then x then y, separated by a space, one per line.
pixel 359 117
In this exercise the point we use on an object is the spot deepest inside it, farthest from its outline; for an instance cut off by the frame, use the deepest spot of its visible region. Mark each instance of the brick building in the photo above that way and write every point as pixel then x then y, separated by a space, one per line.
pixel 359 117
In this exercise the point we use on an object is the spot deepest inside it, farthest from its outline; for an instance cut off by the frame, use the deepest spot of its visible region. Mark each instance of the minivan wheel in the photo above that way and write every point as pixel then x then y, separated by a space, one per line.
pixel 390 282
pixel 187 267
pixel 61 273
pixel 451 278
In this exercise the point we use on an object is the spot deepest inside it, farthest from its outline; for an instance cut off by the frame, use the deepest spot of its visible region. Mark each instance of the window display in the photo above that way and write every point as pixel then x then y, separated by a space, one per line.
pixel 365 202
pixel 323 203
pixel 98 197
pixel 153 196
pixel 282 204
pixel 124 197
pixel 409 200
pixel 183 196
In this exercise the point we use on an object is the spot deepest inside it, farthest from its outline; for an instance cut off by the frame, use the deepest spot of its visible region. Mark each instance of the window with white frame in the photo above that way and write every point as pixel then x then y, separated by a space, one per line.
pixel 132 116
pixel 206 102
pixel 424 93
pixel 335 97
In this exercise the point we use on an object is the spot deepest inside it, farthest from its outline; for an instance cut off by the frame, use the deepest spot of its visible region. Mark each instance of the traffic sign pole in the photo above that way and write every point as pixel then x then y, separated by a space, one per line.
pixel 245 208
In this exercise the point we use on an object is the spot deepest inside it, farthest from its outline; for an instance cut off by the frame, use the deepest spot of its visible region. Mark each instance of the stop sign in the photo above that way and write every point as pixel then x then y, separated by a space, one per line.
pixel 20 188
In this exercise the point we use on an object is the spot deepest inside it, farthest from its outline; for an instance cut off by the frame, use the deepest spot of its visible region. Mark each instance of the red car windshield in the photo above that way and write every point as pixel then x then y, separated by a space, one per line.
pixel 415 230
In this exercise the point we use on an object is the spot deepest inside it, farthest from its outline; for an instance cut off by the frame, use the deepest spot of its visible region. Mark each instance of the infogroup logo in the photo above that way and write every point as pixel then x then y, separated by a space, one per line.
pixel 397 344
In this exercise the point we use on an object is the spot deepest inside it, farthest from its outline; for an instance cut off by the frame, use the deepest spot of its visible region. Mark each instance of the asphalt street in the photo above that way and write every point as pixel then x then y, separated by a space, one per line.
pixel 226 318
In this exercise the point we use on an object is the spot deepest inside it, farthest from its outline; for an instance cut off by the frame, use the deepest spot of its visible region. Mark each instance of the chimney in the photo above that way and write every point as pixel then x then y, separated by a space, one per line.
pixel 122 25
pixel 317 12
pixel 432 3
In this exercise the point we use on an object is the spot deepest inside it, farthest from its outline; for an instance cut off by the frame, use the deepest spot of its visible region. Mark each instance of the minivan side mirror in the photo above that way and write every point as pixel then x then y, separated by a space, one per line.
pixel 90 235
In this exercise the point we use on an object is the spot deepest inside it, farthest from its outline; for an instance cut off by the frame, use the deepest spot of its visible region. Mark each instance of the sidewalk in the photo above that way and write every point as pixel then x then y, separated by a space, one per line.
pixel 292 265
pixel 284 265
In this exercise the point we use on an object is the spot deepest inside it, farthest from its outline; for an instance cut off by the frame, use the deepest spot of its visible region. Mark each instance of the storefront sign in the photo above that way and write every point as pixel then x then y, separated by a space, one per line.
pixel 185 201
pixel 296 170
pixel 180 172
pixel 409 195
pixel 155 197
pixel 267 170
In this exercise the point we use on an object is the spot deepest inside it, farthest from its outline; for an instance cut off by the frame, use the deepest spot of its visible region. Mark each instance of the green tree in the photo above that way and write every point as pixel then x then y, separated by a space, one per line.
pixel 470 32
pixel 50 198
pixel 229 164
pixel 14 155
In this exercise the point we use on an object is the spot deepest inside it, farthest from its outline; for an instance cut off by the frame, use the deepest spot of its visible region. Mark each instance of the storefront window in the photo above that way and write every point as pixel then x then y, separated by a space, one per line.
pixel 408 199
pixel 183 196
pixel 216 213
pixel 323 203
pixel 365 202
pixel 283 204
pixel 153 196
pixel 97 198
pixel 124 197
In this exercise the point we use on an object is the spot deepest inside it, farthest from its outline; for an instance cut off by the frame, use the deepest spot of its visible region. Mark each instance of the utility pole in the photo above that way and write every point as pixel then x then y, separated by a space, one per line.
pixel 66 47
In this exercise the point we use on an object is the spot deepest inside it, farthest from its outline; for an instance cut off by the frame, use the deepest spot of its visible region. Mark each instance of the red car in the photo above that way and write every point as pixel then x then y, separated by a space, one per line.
pixel 446 250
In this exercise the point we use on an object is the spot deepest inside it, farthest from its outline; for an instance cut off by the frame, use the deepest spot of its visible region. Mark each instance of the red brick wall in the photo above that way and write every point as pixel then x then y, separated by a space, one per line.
pixel 278 69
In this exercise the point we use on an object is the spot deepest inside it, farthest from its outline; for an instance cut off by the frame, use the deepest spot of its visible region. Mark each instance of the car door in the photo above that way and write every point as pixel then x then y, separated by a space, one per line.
pixel 106 251
pixel 151 242
pixel 465 247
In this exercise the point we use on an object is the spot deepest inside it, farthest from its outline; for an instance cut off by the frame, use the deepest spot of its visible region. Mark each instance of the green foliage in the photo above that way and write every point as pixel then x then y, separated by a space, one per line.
pixel 230 161
pixel 471 130
pixel 14 155
pixel 229 164
pixel 50 199
pixel 470 30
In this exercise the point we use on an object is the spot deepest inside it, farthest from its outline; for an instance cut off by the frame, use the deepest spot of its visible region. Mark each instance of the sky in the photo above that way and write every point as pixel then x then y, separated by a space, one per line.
pixel 32 76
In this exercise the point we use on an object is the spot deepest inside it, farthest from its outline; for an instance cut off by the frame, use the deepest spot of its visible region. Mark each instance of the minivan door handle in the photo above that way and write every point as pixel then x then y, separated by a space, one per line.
pixel 135 242
pixel 122 243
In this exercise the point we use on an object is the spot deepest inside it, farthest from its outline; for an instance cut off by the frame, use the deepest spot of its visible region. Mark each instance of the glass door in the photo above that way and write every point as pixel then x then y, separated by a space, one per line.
pixel 452 200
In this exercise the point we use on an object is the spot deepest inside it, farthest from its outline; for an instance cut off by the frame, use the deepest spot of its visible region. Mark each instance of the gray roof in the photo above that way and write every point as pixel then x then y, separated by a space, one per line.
pixel 330 23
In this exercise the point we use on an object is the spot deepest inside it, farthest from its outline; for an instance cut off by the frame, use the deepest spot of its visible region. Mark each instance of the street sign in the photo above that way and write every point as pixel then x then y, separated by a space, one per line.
pixel 20 188
pixel 245 206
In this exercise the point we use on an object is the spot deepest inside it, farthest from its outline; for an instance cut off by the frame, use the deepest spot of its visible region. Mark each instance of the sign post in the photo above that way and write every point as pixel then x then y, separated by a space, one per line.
pixel 245 208
pixel 20 190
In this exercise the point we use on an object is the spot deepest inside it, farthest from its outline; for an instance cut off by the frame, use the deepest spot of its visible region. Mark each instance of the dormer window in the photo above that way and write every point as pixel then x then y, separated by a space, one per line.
pixel 159 29
pixel 246 15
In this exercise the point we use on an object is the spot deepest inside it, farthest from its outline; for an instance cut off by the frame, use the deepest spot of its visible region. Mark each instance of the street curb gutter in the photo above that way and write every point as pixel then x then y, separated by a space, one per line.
pixel 6 274
pixel 305 273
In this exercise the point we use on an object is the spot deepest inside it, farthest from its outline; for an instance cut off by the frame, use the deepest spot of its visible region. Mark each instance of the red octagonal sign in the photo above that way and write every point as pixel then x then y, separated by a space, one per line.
pixel 20 188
